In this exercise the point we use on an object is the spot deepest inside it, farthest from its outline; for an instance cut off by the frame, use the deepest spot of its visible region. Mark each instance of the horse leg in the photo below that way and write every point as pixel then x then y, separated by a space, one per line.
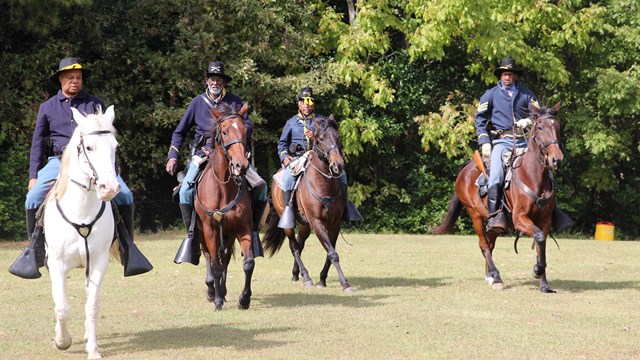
pixel 539 269
pixel 324 273
pixel 245 297
pixel 92 307
pixel 58 277
pixel 211 291
pixel 487 243
pixel 297 245
pixel 328 241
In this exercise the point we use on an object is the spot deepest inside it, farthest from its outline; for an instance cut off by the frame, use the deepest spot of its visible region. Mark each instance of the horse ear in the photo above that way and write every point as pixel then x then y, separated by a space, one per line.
pixel 243 109
pixel 535 108
pixel 216 114
pixel 78 117
pixel 556 107
pixel 110 114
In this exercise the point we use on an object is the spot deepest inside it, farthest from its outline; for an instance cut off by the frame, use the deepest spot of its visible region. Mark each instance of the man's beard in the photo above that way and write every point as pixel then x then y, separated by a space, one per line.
pixel 215 90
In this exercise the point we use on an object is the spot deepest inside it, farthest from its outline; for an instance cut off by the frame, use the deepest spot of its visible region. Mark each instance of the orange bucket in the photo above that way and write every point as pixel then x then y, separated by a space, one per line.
pixel 604 230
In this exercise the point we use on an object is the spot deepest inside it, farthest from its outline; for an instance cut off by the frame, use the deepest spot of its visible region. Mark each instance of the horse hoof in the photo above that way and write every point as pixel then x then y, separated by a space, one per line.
pixel 349 290
pixel 94 355
pixel 243 307
pixel 321 285
pixel 308 284
pixel 546 290
pixel 497 286
pixel 63 346
pixel 295 278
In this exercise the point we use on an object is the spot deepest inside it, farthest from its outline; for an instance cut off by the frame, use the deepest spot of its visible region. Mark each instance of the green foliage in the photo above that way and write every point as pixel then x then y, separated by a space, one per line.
pixel 402 79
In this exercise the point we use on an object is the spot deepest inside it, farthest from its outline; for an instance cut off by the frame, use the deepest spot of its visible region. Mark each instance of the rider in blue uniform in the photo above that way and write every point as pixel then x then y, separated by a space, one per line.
pixel 198 115
pixel 500 120
pixel 296 139
pixel 55 124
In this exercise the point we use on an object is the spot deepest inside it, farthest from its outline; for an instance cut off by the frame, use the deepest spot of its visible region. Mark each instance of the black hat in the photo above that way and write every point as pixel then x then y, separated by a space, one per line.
pixel 217 68
pixel 70 63
pixel 507 64
pixel 305 93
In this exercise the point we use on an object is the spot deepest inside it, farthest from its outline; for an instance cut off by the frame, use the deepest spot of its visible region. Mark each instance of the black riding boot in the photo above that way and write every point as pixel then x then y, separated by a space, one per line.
pixel 257 210
pixel 350 213
pixel 33 256
pixel 131 257
pixel 288 218
pixel 189 251
pixel 561 221
pixel 497 222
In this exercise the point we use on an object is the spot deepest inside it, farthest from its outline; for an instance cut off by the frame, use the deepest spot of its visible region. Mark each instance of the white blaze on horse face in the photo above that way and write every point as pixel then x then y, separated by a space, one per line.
pixel 235 126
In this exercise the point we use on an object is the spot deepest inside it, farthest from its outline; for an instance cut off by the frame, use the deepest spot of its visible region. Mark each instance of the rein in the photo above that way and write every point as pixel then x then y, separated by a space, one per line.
pixel 225 146
pixel 83 230
pixel 540 200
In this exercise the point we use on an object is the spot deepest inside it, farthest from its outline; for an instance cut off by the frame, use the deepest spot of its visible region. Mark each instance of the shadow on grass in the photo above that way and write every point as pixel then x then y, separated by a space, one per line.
pixel 289 300
pixel 367 282
pixel 213 335
pixel 576 286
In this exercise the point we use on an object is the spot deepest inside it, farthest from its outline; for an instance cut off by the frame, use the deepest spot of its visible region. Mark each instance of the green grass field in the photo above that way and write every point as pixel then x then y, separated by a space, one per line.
pixel 417 297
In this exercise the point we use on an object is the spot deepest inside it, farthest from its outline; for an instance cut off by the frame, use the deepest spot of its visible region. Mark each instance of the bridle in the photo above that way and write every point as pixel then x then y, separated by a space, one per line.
pixel 225 145
pixel 324 156
pixel 543 146
pixel 93 178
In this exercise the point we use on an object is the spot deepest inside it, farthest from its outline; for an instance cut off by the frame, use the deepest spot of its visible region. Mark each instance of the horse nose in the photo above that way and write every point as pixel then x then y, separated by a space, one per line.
pixel 108 190
pixel 237 168
pixel 556 162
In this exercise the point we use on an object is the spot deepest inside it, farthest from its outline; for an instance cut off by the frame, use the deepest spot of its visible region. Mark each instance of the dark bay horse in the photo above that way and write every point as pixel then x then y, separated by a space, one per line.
pixel 223 205
pixel 530 197
pixel 320 203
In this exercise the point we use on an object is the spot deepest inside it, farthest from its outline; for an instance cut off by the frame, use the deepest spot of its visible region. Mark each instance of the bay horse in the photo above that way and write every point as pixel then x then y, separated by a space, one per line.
pixel 79 222
pixel 530 196
pixel 320 202
pixel 223 205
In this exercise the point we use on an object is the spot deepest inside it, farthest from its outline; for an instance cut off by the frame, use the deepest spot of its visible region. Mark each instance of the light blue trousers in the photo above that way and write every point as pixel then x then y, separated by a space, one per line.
pixel 48 173
pixel 500 146
pixel 258 193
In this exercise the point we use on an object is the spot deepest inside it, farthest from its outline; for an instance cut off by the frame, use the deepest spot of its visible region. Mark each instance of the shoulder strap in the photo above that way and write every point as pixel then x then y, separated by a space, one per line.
pixel 207 101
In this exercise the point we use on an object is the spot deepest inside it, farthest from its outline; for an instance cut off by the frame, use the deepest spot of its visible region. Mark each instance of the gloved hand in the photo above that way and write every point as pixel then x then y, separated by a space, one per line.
pixel 486 151
pixel 172 165
pixel 523 123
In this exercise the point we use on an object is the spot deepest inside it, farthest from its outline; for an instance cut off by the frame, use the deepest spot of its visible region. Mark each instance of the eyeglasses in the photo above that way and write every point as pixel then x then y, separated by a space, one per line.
pixel 307 101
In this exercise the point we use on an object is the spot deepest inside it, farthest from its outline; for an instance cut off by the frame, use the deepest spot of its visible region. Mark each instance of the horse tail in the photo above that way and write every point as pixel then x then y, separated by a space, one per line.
pixel 450 219
pixel 274 236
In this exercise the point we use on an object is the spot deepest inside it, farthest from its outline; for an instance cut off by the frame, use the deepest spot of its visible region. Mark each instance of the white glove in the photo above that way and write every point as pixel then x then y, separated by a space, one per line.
pixel 486 151
pixel 523 123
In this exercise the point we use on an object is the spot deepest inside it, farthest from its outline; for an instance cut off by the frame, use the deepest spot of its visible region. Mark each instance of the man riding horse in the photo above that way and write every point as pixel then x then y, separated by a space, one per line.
pixel 55 124
pixel 198 115
pixel 500 121
pixel 295 141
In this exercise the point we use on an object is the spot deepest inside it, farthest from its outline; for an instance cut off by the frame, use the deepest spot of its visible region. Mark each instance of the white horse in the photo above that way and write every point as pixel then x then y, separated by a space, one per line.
pixel 78 220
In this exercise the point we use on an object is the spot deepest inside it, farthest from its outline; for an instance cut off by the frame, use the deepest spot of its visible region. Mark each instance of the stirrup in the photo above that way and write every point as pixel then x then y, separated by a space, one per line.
pixel 188 253
pixel 26 265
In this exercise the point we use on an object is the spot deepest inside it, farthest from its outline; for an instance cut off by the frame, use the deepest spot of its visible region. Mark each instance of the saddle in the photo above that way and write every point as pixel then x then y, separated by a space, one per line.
pixel 508 160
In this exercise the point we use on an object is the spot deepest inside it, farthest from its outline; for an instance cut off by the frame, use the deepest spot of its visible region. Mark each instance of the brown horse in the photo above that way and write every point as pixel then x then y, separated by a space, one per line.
pixel 530 197
pixel 320 202
pixel 224 207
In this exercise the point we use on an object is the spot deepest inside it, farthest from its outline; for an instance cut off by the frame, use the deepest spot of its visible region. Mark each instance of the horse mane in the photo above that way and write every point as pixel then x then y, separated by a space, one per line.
pixel 95 123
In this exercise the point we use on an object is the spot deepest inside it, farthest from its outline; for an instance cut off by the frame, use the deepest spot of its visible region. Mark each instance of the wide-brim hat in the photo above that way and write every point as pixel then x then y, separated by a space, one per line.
pixel 70 63
pixel 306 93
pixel 507 64
pixel 216 68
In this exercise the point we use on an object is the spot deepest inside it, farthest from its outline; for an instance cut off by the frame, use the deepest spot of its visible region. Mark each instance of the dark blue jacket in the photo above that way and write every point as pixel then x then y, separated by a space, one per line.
pixel 55 121
pixel 501 110
pixel 198 115
pixel 293 133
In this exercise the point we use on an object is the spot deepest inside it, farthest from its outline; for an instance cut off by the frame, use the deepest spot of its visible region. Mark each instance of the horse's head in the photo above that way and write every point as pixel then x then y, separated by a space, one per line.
pixel 230 135
pixel 545 133
pixel 95 145
pixel 327 143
